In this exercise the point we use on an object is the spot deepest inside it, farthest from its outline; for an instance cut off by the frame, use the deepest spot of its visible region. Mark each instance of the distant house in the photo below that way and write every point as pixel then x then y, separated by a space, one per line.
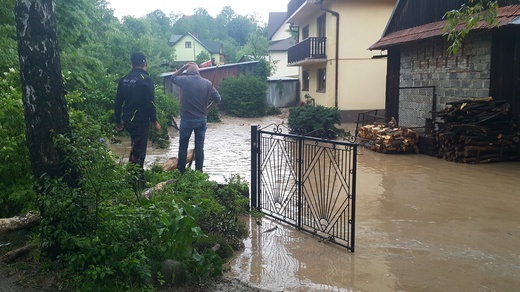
pixel 279 42
pixel 336 69
pixel 187 47
pixel 423 75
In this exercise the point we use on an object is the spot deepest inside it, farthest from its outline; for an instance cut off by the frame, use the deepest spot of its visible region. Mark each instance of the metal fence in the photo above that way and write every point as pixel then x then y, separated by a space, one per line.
pixel 307 182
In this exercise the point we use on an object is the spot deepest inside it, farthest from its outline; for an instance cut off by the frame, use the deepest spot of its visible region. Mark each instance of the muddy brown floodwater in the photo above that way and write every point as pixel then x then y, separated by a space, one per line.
pixel 422 224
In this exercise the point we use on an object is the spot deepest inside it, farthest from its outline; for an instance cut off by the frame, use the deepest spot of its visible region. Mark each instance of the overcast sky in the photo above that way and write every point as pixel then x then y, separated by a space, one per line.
pixel 241 7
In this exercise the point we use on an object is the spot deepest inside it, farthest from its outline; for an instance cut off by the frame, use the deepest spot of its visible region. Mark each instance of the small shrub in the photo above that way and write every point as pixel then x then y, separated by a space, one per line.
pixel 220 205
pixel 272 111
pixel 213 115
pixel 315 121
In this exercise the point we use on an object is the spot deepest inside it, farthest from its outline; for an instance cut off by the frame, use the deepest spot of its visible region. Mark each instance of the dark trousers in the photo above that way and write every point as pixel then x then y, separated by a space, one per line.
pixel 139 137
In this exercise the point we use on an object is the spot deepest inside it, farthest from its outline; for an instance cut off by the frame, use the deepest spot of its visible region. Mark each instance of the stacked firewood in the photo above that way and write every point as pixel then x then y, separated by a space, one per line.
pixel 477 131
pixel 386 139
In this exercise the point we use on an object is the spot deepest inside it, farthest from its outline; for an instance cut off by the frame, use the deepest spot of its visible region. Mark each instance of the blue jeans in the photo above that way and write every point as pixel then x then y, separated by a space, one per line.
pixel 189 125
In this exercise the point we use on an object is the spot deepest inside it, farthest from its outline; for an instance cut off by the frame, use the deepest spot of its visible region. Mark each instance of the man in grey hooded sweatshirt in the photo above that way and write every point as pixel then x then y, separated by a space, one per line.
pixel 198 96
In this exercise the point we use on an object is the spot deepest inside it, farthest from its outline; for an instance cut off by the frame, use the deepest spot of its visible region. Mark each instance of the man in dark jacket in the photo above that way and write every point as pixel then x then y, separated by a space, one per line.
pixel 198 96
pixel 135 109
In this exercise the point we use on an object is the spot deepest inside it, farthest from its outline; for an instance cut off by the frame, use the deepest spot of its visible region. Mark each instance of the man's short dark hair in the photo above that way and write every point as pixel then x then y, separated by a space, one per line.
pixel 138 59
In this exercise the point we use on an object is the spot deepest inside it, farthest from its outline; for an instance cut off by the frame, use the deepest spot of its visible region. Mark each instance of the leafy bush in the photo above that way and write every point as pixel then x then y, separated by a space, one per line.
pixel 315 121
pixel 103 237
pixel 166 107
pixel 244 96
pixel 16 182
pixel 131 242
pixel 213 115
pixel 220 204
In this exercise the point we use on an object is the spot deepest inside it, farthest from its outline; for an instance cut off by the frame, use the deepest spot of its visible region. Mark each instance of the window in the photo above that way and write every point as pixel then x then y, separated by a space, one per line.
pixel 305 32
pixel 322 32
pixel 305 81
pixel 322 80
pixel 187 45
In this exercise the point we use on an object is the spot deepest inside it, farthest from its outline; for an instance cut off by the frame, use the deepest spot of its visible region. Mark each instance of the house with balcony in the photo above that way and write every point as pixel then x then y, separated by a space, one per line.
pixel 280 40
pixel 336 69
pixel 187 47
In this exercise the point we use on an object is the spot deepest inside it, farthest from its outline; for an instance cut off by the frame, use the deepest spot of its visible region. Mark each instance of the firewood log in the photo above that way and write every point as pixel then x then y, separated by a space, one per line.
pixel 26 221
pixel 172 163
pixel 11 256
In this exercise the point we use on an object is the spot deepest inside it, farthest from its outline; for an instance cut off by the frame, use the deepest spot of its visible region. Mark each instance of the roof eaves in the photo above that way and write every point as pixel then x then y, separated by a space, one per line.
pixel 175 38
pixel 506 15
pixel 276 20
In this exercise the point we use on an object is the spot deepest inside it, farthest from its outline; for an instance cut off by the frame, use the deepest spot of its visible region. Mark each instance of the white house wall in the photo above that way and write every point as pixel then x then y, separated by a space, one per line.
pixel 282 33
pixel 280 61
pixel 361 79
pixel 319 97
pixel 279 58
pixel 190 54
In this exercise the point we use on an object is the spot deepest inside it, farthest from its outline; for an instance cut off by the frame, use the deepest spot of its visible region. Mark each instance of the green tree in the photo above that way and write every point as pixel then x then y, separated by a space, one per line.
pixel 466 18
pixel 159 23
pixel 200 24
pixel 16 188
pixel 257 45
pixel 137 27
pixel 8 53
pixel 80 22
pixel 240 27
pixel 226 15
pixel 231 50
pixel 202 57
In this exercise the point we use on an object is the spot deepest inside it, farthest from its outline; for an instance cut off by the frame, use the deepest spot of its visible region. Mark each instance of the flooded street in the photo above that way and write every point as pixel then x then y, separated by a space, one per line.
pixel 422 224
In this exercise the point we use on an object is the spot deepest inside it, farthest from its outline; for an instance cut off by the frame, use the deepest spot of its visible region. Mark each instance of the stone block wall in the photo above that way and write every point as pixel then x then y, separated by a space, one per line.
pixel 454 76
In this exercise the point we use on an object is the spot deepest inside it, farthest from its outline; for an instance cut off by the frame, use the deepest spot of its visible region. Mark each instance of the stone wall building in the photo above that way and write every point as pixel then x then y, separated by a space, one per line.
pixel 428 65
pixel 422 75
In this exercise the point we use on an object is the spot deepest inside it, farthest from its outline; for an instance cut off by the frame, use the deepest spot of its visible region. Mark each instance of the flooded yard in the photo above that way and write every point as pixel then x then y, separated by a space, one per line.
pixel 422 224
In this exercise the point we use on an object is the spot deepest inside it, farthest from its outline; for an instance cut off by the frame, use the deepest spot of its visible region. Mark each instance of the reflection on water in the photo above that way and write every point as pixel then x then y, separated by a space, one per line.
pixel 422 224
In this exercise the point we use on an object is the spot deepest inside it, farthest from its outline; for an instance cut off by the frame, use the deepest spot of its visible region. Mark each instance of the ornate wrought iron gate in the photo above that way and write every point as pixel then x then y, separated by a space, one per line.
pixel 307 182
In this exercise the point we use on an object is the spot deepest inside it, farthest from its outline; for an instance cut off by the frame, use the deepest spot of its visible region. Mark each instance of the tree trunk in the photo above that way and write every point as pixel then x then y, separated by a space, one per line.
pixel 9 257
pixel 20 222
pixel 43 96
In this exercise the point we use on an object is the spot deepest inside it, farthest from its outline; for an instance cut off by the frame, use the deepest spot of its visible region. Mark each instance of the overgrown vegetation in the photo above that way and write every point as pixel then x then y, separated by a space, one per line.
pixel 100 234
pixel 16 181
pixel 245 95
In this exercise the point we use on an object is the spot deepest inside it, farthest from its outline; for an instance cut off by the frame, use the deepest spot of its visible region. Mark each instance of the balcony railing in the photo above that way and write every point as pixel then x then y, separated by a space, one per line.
pixel 308 49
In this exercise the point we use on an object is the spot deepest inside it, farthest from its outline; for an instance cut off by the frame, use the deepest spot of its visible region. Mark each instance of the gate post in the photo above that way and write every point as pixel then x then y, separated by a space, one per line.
pixel 254 167
pixel 300 180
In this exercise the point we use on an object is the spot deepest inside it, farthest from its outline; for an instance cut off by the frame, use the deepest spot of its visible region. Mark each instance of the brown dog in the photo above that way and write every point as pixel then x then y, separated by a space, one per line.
pixel 171 163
